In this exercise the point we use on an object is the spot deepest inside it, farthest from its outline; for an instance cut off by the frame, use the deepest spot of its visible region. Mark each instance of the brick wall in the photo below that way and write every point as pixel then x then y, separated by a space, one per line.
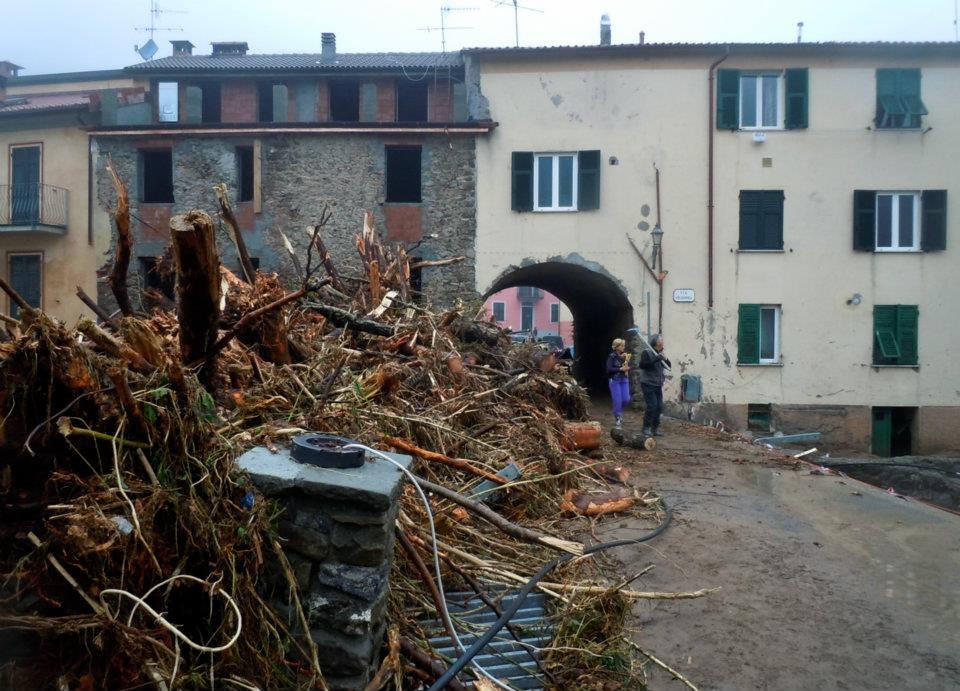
pixel 440 100
pixel 386 100
pixel 238 101
pixel 323 101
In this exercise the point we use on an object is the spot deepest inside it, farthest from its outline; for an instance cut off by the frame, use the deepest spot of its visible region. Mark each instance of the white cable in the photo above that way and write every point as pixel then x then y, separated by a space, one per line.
pixel 436 558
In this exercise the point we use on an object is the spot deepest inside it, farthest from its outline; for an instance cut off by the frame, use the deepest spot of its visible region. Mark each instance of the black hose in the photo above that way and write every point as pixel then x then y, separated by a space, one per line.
pixel 522 594
pixel 844 464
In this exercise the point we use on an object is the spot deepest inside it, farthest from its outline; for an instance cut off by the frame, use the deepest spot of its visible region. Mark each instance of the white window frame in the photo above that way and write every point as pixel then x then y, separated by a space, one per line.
pixel 555 181
pixel 895 221
pixel 776 335
pixel 493 310
pixel 781 100
pixel 557 305
pixel 164 89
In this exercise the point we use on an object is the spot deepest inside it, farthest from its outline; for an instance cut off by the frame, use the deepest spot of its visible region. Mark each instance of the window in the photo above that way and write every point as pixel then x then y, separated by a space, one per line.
pixel 25 272
pixel 272 101
pixel 344 101
pixel 411 101
pixel 210 102
pixel 526 317
pixel 403 173
pixel 168 101
pixel 758 335
pixel 761 220
pixel 760 99
pixel 895 331
pixel 555 312
pixel 26 163
pixel 499 311
pixel 157 275
pixel 900 221
pixel 555 181
pixel 156 176
pixel 245 173
pixel 758 417
pixel 898 99
pixel 529 293
pixel 767 99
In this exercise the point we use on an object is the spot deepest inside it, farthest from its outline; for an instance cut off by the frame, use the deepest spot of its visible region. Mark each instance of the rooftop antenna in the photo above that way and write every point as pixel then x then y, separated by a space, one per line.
pixel 443 28
pixel 799 32
pixel 516 12
pixel 149 49
pixel 956 26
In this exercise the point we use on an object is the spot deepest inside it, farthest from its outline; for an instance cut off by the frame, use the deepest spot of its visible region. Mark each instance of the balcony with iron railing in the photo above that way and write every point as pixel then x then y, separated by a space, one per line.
pixel 33 207
pixel 529 293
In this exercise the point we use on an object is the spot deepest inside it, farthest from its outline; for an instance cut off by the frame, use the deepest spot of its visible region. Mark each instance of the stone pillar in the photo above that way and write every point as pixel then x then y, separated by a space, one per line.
pixel 337 530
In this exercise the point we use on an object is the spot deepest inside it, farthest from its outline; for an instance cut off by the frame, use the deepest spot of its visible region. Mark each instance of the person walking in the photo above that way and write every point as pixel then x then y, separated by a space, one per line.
pixel 617 368
pixel 652 365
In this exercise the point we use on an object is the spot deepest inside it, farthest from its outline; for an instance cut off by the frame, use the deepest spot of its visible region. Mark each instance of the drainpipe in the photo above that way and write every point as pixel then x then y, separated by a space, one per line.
pixel 710 134
pixel 659 258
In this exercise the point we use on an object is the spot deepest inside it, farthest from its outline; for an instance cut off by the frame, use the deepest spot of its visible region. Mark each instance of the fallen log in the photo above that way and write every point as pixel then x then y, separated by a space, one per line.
pixel 581 435
pixel 96 309
pixel 634 440
pixel 112 346
pixel 500 522
pixel 198 290
pixel 346 319
pixel 458 463
pixel 584 504
pixel 117 279
pixel 226 211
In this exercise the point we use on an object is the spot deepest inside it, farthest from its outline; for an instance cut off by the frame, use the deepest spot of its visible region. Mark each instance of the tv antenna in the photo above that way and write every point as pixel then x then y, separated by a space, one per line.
pixel 443 28
pixel 516 12
pixel 799 32
pixel 149 49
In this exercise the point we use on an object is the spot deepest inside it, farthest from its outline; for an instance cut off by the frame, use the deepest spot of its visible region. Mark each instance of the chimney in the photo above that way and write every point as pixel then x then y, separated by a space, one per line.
pixel 229 48
pixel 181 48
pixel 643 37
pixel 328 42
pixel 7 70
pixel 605 30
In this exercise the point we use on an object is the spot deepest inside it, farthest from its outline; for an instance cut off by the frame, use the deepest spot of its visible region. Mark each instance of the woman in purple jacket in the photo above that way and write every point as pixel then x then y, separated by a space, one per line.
pixel 617 369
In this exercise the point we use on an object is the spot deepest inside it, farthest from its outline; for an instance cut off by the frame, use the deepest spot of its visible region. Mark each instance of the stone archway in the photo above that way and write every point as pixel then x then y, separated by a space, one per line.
pixel 597 301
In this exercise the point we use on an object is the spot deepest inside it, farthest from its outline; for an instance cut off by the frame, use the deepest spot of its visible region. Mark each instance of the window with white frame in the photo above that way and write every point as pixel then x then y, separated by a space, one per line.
pixel 769 334
pixel 555 182
pixel 499 311
pixel 761 100
pixel 555 312
pixel 898 221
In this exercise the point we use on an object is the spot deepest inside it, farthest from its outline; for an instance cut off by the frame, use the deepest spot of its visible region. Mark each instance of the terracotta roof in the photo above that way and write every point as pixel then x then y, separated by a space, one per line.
pixel 853 47
pixel 300 62
pixel 41 103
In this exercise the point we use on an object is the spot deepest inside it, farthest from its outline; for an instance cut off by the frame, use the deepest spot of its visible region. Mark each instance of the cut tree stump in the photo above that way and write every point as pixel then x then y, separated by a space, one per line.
pixel 198 289
pixel 634 440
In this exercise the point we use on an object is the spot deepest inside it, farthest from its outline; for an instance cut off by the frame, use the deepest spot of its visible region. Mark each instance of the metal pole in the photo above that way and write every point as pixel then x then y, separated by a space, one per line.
pixel 648 316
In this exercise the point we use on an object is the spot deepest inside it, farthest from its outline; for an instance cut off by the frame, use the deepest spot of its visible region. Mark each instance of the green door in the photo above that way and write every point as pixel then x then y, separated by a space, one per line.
pixel 25 184
pixel 882 432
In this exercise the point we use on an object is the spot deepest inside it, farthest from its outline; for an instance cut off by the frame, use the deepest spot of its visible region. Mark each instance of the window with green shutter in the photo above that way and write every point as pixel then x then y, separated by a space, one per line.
pixel 797 90
pixel 588 180
pixel 555 181
pixel 900 221
pixel 899 105
pixel 25 274
pixel 758 335
pixel 761 219
pixel 895 334
pixel 764 99
pixel 728 99
pixel 521 189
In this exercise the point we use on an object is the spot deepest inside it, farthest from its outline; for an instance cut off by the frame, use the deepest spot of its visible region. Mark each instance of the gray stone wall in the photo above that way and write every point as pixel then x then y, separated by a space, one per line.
pixel 337 529
pixel 301 173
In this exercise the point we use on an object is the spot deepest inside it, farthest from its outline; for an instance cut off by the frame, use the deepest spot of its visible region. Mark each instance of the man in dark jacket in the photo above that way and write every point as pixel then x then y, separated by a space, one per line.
pixel 652 365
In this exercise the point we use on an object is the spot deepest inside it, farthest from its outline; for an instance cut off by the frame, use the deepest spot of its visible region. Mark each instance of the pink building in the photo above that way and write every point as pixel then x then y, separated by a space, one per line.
pixel 526 308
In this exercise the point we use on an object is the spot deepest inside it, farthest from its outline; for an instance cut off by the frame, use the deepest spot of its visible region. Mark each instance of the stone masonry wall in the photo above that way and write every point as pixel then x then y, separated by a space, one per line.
pixel 301 173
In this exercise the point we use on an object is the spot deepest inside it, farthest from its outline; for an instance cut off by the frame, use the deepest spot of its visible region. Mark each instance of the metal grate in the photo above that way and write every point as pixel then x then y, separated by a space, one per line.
pixel 509 660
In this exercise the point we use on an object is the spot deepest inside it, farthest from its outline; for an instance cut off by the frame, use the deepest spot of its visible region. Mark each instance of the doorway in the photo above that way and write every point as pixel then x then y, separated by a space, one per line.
pixel 892 431
pixel 25 184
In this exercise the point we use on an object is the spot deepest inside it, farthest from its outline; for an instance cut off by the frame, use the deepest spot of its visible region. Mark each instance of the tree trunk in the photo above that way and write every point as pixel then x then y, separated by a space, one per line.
pixel 198 290
pixel 121 256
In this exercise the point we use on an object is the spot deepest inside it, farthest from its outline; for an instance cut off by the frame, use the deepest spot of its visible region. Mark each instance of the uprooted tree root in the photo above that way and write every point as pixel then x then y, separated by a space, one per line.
pixel 133 552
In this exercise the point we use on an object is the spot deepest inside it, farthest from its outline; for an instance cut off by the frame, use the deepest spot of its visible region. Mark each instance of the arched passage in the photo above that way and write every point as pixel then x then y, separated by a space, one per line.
pixel 600 309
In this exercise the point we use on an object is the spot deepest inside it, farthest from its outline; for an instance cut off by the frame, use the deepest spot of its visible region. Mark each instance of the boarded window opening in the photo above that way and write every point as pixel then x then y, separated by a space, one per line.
pixel 403 174
pixel 156 175
pixel 156 276
pixel 245 172
pixel 758 417
pixel 411 101
pixel 345 101
pixel 25 273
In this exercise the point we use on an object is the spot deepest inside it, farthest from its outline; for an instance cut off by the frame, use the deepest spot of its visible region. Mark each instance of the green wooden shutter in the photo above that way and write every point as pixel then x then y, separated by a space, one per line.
pixel 864 220
pixel 748 335
pixel 797 88
pixel 933 220
pixel 909 87
pixel 889 105
pixel 728 99
pixel 881 432
pixel 886 349
pixel 588 180
pixel 750 205
pixel 521 189
pixel 771 221
pixel 907 333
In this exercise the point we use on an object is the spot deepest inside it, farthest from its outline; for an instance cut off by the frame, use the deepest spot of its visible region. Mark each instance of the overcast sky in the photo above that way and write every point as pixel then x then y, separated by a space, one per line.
pixel 67 35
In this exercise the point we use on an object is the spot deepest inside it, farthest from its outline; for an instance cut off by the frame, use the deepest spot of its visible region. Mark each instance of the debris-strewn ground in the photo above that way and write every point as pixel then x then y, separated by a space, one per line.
pixel 826 583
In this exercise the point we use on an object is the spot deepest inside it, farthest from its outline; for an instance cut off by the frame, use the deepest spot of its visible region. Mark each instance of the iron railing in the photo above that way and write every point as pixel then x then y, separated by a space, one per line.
pixel 33 204
pixel 529 293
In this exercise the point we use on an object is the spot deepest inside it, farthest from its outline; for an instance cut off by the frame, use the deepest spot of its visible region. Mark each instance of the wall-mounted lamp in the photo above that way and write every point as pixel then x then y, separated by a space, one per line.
pixel 657 235
pixel 855 300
